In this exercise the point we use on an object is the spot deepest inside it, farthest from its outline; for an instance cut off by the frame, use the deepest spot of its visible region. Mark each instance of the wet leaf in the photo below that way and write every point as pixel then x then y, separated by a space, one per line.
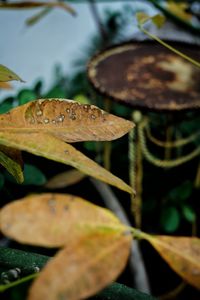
pixel 182 254
pixel 34 4
pixel 66 119
pixel 11 159
pixel 65 179
pixel 8 75
pixel 52 148
pixel 33 176
pixel 83 268
pixel 53 220
pixel 5 86
pixel 6 105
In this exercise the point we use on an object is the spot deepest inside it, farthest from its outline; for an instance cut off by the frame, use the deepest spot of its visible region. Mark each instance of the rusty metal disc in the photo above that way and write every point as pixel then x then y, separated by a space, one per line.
pixel 146 75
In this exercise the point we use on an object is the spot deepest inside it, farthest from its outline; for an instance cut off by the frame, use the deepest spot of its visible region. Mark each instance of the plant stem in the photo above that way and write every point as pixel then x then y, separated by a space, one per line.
pixel 194 62
pixel 17 282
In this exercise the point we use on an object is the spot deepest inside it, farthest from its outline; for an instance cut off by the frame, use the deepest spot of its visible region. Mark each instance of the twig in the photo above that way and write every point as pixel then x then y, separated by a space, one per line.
pixel 136 261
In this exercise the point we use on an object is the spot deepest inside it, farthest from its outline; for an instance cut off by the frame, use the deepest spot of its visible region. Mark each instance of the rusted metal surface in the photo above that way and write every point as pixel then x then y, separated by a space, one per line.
pixel 146 75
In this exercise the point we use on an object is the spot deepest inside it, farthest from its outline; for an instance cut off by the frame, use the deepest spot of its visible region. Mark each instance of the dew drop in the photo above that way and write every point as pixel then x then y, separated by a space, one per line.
pixel 36 269
pixel 53 121
pixel 93 117
pixel 46 121
pixel 73 117
pixel 68 110
pixel 39 113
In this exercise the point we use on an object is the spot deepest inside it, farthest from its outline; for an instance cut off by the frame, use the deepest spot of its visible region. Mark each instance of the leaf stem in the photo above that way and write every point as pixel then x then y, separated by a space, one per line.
pixel 194 62
pixel 17 282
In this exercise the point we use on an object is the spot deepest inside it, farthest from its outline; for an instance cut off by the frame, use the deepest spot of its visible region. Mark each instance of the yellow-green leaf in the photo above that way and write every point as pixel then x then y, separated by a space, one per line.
pixel 158 20
pixel 142 17
pixel 11 159
pixel 65 179
pixel 53 220
pixel 182 254
pixel 52 148
pixel 8 75
pixel 34 4
pixel 179 9
pixel 66 119
pixel 83 268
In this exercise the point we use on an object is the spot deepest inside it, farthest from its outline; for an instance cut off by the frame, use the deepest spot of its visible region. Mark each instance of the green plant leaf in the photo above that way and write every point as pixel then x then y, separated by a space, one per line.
pixel 89 263
pixel 26 96
pixel 170 219
pixel 2 180
pixel 56 92
pixel 188 213
pixel 6 105
pixel 33 176
pixel 82 99
pixel 11 159
pixel 56 219
pixel 8 75
pixel 181 192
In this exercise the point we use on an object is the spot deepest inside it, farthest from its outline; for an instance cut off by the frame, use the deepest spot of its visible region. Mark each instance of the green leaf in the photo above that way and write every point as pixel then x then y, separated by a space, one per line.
pixel 142 17
pixel 11 160
pixel 56 92
pixel 8 75
pixel 25 96
pixel 1 181
pixel 181 192
pixel 170 219
pixel 82 99
pixel 33 176
pixel 6 105
pixel 189 213
pixel 158 20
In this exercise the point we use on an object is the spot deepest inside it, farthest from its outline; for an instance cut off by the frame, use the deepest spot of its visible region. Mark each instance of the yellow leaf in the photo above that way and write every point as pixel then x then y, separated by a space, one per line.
pixel 34 4
pixel 179 9
pixel 65 179
pixel 158 20
pixel 5 86
pixel 66 119
pixel 53 220
pixel 83 268
pixel 142 17
pixel 182 254
pixel 8 75
pixel 52 148
pixel 11 159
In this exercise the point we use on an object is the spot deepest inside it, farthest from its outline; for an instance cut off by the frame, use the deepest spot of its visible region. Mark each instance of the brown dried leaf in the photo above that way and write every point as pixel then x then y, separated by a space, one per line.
pixel 182 254
pixel 65 179
pixel 50 147
pixel 53 220
pixel 34 4
pixel 66 119
pixel 5 86
pixel 83 268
